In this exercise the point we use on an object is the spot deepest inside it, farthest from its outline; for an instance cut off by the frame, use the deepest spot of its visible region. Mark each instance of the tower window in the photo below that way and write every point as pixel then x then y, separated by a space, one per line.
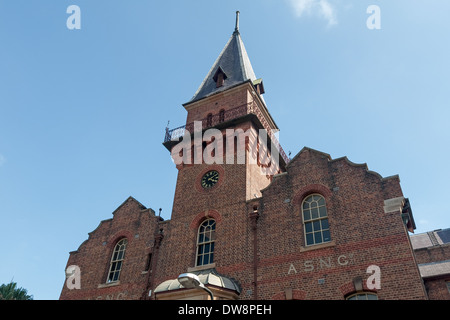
pixel 209 120
pixel 219 77
pixel 205 242
pixel 117 260
pixel 315 220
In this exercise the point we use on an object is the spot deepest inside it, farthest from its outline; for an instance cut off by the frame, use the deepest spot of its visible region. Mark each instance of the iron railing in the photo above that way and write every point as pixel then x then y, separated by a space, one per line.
pixel 224 116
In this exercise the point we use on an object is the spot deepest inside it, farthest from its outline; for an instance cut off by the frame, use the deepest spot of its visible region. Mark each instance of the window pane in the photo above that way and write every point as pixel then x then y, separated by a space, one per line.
pixel 120 255
pixel 324 224
pixel 200 249
pixel 322 212
pixel 309 239
pixel 200 238
pixel 308 227
pixel 305 205
pixel 199 260
pixel 321 201
pixel 314 213
pixel 316 225
pixel 318 237
pixel 372 297
pixel 206 259
pixel 306 215
pixel 326 236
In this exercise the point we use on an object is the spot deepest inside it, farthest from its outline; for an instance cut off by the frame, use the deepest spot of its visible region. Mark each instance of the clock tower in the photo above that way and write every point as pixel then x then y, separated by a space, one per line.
pixel 229 143
pixel 226 153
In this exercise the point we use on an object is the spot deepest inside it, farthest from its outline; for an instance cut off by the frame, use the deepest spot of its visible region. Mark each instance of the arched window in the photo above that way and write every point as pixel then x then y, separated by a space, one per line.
pixel 209 119
pixel 117 260
pixel 205 242
pixel 222 115
pixel 315 220
pixel 362 296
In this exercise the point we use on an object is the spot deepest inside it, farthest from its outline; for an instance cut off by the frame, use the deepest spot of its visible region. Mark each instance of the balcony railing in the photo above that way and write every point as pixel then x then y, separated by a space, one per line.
pixel 213 120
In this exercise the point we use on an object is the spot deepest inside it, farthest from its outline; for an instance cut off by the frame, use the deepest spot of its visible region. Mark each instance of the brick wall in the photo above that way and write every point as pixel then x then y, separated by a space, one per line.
pixel 437 288
pixel 362 233
pixel 260 238
pixel 433 254
pixel 131 221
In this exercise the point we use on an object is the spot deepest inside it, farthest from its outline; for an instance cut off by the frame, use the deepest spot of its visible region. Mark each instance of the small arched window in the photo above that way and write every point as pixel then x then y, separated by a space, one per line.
pixel 222 115
pixel 117 260
pixel 315 220
pixel 205 242
pixel 209 119
pixel 362 296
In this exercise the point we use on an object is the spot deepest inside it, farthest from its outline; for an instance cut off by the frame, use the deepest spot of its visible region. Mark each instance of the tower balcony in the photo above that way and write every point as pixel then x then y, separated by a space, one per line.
pixel 223 119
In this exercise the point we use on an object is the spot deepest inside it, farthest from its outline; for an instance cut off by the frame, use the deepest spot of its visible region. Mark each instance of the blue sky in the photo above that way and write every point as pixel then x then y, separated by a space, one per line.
pixel 83 112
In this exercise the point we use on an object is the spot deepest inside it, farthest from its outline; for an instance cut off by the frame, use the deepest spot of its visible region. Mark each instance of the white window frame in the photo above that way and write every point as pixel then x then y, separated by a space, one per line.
pixel 117 258
pixel 322 220
pixel 362 296
pixel 205 241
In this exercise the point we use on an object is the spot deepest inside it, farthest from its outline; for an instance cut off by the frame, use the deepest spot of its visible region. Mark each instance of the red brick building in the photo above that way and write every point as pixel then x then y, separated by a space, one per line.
pixel 249 226
pixel 432 250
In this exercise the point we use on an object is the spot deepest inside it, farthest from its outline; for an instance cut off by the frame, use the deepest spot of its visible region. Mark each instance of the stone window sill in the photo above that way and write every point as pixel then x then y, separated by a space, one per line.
pixel 206 266
pixel 107 285
pixel 318 246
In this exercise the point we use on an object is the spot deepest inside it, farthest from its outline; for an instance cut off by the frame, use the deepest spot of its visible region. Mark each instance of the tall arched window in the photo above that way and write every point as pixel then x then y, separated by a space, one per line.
pixel 205 242
pixel 117 260
pixel 315 220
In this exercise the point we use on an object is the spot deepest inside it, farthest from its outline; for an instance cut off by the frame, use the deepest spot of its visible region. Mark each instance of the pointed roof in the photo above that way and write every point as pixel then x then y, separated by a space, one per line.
pixel 233 62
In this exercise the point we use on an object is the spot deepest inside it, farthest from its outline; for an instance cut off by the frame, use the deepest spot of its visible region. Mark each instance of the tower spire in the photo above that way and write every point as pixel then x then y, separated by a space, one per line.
pixel 233 62
pixel 236 29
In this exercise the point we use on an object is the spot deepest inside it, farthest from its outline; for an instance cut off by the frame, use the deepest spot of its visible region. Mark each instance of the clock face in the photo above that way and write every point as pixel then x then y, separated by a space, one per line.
pixel 210 179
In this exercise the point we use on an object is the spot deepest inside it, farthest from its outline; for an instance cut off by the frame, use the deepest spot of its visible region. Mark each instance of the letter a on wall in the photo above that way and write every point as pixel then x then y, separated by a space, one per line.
pixel 374 281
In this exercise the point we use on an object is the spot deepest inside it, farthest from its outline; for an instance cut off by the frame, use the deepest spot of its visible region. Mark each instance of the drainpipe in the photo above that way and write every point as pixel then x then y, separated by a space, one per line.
pixel 155 253
pixel 253 218
pixel 158 239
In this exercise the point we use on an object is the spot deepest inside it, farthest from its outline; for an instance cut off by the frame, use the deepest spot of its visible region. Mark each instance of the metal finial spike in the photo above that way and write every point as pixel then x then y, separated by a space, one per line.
pixel 237 22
